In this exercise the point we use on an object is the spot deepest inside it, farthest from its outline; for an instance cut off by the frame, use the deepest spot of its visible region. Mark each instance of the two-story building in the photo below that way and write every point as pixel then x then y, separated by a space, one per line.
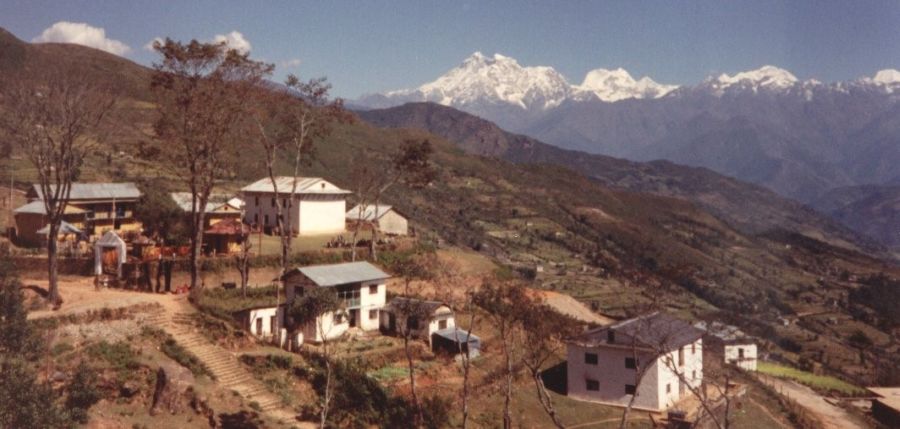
pixel 92 207
pixel 421 318
pixel 360 285
pixel 655 358
pixel 318 206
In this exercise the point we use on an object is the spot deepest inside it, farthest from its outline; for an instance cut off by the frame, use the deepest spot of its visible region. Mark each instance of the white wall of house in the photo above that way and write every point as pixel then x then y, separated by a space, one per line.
pixel 371 302
pixel 322 217
pixel 393 223
pixel 612 376
pixel 308 216
pixel 442 318
pixel 266 323
pixel 733 355
pixel 325 324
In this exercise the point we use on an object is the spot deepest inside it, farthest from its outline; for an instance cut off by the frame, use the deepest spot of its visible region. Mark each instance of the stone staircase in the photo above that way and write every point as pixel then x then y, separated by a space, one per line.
pixel 223 364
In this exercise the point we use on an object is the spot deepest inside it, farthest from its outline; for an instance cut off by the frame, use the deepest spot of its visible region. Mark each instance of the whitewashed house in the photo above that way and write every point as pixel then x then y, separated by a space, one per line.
pixel 603 362
pixel 731 344
pixel 318 206
pixel 360 285
pixel 387 218
pixel 266 323
pixel 421 317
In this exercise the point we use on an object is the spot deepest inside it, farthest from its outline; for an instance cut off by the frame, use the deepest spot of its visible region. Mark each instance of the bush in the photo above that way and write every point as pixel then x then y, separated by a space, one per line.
pixel 82 393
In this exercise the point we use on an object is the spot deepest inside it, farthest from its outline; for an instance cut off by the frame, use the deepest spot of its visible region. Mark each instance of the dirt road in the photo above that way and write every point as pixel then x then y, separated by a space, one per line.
pixel 831 416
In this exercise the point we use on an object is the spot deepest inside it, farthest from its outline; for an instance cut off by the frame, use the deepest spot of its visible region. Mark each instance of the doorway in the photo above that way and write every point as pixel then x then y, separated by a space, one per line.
pixel 354 314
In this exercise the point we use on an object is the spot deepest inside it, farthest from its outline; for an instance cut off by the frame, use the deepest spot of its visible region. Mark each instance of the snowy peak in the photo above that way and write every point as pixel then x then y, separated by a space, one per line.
pixel 765 78
pixel 495 79
pixel 887 80
pixel 615 85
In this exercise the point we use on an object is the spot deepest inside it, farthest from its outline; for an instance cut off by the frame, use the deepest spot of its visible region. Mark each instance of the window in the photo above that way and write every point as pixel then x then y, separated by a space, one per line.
pixel 255 217
pixel 610 337
pixel 273 201
pixel 629 389
pixel 693 349
pixel 338 318
pixel 694 375
pixel 267 219
pixel 373 314
pixel 442 324
pixel 256 201
pixel 681 356
pixel 590 358
pixel 630 363
pixel 412 323
pixel 668 387
pixel 273 324
pixel 259 323
pixel 741 353
pixel 373 289
pixel 592 385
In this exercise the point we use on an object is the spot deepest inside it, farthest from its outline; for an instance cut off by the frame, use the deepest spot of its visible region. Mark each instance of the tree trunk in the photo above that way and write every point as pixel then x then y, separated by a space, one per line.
pixel 196 247
pixel 507 419
pixel 53 265
pixel 412 380
pixel 544 398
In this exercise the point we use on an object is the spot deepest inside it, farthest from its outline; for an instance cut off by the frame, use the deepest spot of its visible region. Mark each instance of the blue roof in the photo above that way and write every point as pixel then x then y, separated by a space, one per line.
pixel 341 274
pixel 457 335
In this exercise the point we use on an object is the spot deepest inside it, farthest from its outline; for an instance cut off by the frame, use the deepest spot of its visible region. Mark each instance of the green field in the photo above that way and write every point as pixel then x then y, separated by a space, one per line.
pixel 819 382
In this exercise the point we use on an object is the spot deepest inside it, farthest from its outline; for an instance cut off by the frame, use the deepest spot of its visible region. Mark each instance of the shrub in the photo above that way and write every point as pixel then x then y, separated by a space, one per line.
pixel 82 393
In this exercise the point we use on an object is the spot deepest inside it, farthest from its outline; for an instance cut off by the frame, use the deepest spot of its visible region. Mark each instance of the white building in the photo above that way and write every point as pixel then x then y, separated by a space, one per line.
pixel 318 206
pixel 730 344
pixel 266 323
pixel 388 219
pixel 359 284
pixel 604 363
pixel 422 318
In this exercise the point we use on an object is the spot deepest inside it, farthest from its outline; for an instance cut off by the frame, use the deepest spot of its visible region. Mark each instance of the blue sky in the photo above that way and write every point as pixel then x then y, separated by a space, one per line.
pixel 372 46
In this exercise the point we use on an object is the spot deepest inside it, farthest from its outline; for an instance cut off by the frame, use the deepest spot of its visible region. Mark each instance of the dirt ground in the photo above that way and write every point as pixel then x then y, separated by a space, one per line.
pixel 831 416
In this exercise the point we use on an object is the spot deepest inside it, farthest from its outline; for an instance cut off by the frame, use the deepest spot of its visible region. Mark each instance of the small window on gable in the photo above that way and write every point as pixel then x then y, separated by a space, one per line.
pixel 442 324
pixel 592 385
pixel 590 358
pixel 629 389
pixel 630 363
pixel 373 289
pixel 323 185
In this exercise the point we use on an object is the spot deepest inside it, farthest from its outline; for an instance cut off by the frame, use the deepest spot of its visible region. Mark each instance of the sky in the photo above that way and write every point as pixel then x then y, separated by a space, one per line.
pixel 374 46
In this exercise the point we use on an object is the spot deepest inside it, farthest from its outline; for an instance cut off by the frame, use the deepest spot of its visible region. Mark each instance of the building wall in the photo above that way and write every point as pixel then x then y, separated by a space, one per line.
pixel 732 356
pixel 393 223
pixel 612 376
pixel 325 325
pixel 266 315
pixel 369 302
pixel 322 217
pixel 425 330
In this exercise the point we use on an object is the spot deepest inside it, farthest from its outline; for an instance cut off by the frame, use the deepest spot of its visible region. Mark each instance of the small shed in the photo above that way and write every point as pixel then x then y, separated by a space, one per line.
pixel 452 340
pixel 388 219
pixel 110 253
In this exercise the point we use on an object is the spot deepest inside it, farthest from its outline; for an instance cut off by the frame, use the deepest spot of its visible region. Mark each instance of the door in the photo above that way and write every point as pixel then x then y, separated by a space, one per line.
pixel 392 322
pixel 259 325
pixel 354 314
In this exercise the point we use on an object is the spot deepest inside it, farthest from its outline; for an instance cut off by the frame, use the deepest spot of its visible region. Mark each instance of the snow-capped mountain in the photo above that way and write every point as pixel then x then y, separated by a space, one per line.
pixel 615 85
pixel 500 80
pixel 765 78
pixel 888 80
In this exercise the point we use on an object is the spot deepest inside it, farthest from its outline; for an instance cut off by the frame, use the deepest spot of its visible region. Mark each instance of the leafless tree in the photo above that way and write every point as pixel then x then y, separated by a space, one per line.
pixel 56 119
pixel 242 259
pixel 202 93
pixel 364 179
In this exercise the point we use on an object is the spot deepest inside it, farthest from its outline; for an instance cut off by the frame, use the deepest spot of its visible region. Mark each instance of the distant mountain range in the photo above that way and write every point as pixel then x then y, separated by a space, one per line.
pixel 800 138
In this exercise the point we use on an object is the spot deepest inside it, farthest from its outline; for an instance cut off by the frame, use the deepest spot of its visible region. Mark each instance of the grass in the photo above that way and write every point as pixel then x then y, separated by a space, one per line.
pixel 224 303
pixel 271 244
pixel 818 382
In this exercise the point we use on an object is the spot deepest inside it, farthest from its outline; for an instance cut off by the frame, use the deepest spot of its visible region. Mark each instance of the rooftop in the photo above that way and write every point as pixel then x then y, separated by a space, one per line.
pixel 341 274
pixel 305 185
pixel 217 201
pixel 655 330
pixel 37 207
pixel 368 213
pixel 457 335
pixel 889 396
pixel 726 333
pixel 406 302
pixel 95 191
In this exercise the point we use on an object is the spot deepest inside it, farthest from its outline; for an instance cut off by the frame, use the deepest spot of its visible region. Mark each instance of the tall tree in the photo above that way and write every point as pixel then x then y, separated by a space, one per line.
pixel 203 93
pixel 545 332
pixel 309 309
pixel 56 119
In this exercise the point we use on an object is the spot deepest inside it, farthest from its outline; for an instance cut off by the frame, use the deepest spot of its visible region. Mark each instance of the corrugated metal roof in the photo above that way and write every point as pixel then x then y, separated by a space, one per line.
pixel 305 185
pixel 402 302
pixel 97 191
pixel 37 207
pixel 215 203
pixel 368 212
pixel 341 274
pixel 457 335
pixel 64 228
pixel 654 330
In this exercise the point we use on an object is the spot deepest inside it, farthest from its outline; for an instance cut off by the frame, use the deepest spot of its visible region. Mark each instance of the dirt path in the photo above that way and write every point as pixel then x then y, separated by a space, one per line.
pixel 769 413
pixel 831 416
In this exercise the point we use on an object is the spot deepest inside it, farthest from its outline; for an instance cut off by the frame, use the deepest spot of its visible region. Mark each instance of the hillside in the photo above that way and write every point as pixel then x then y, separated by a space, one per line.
pixel 870 210
pixel 621 251
pixel 750 208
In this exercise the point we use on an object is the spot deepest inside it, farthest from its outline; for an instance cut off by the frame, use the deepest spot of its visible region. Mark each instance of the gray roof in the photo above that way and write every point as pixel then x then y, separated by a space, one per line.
pixel 655 330
pixel 37 207
pixel 96 191
pixel 457 335
pixel 425 305
pixel 368 212
pixel 341 274
pixel 216 201
pixel 64 228
pixel 305 185
pixel 723 332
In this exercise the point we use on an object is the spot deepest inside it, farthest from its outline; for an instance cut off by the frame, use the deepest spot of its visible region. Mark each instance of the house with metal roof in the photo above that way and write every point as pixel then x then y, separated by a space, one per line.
pixel 360 285
pixel 104 206
pixel 420 318
pixel 387 218
pixel 655 358
pixel 318 206
pixel 730 344
pixel 31 219
pixel 219 207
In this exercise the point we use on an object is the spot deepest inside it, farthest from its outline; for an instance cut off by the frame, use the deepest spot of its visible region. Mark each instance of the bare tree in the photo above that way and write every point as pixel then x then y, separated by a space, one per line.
pixel 55 119
pixel 503 300
pixel 545 332
pixel 203 96
pixel 364 179
pixel 242 259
